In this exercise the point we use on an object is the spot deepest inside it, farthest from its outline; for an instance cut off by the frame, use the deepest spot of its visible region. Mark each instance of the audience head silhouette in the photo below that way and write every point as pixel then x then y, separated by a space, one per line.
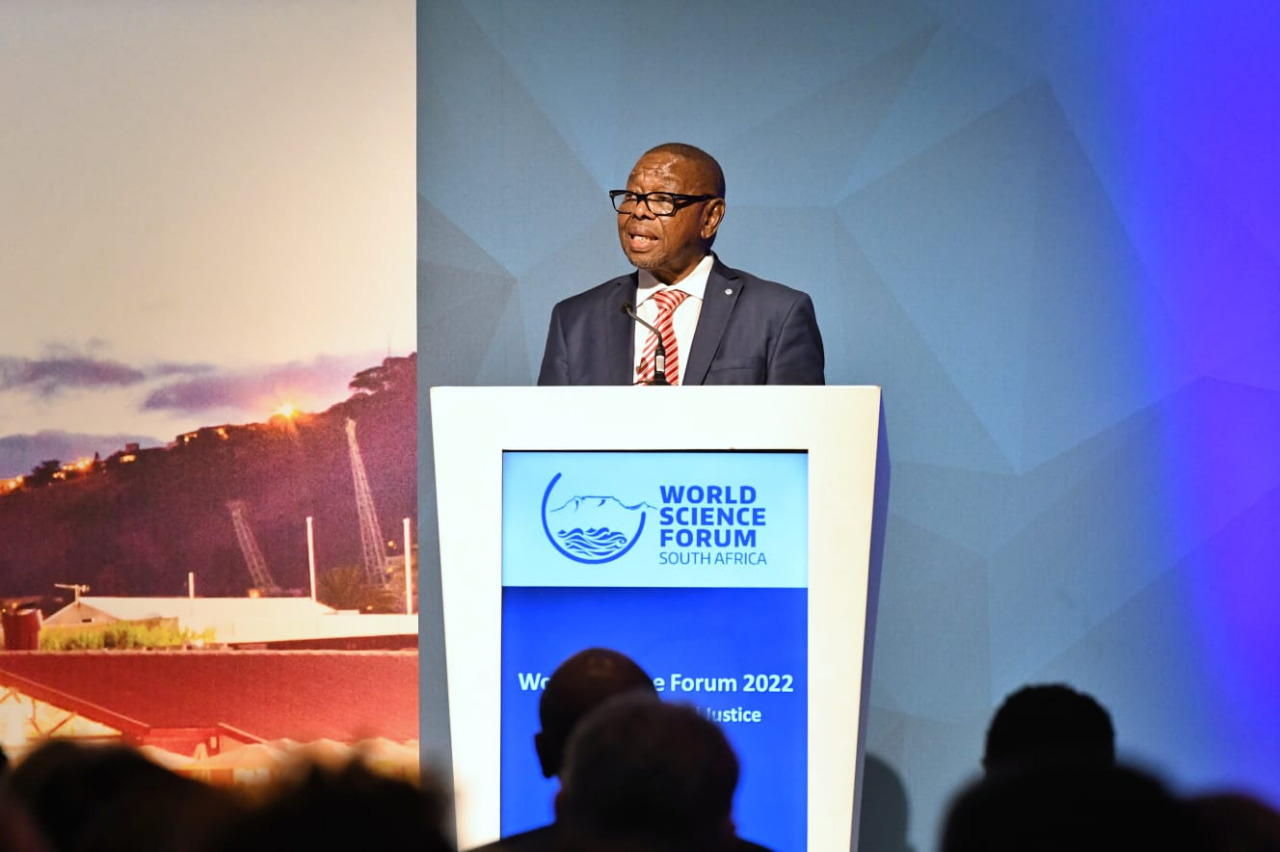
pixel 346 808
pixel 1049 723
pixel 1237 822
pixel 111 797
pixel 581 684
pixel 642 774
pixel 17 831
pixel 885 821
pixel 1068 807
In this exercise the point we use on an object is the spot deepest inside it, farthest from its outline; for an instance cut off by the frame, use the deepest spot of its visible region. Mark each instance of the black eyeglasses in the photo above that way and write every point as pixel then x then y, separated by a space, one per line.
pixel 659 203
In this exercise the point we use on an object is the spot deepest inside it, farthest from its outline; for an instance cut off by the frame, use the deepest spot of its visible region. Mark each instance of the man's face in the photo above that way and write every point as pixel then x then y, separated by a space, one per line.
pixel 669 246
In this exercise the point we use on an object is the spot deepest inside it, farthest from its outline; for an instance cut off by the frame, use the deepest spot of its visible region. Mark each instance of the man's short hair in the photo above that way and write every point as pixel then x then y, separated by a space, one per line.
pixel 1050 723
pixel 577 686
pixel 638 769
pixel 706 163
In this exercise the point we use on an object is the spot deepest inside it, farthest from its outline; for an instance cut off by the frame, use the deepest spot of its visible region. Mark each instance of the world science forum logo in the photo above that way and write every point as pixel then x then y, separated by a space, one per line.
pixel 591 528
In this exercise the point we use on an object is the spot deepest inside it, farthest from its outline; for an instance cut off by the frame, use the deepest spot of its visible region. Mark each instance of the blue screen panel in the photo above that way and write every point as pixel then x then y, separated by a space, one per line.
pixel 695 564
pixel 749 645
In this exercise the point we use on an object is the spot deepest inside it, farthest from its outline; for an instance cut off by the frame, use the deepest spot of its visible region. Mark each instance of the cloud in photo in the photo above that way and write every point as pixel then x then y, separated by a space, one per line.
pixel 20 453
pixel 48 376
pixel 62 370
pixel 322 381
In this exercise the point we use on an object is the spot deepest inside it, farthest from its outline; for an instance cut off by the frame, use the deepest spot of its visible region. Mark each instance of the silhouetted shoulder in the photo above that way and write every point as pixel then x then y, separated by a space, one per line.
pixel 538 840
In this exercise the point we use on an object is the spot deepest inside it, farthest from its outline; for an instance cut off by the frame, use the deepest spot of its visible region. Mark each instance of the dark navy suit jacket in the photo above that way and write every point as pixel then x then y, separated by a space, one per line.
pixel 750 332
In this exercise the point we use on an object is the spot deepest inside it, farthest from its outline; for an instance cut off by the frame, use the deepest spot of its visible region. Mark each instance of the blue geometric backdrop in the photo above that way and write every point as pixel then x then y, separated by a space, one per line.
pixel 1047 229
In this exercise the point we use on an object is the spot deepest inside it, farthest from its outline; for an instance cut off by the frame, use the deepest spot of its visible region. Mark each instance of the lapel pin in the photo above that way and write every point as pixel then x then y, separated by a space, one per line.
pixel 728 292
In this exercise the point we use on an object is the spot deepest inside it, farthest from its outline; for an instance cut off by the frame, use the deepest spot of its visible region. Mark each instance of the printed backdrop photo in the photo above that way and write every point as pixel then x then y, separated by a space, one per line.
pixel 208 382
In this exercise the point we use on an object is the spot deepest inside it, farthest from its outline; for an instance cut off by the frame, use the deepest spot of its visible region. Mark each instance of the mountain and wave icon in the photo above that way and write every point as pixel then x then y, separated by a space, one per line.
pixel 592 543
pixel 593 527
pixel 598 500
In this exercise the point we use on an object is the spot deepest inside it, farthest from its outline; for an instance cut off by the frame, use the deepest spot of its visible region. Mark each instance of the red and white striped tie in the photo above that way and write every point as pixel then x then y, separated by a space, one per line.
pixel 668 301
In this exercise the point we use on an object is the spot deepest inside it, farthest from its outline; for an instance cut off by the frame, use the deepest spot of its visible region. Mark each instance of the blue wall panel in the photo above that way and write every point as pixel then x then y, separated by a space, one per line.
pixel 1046 229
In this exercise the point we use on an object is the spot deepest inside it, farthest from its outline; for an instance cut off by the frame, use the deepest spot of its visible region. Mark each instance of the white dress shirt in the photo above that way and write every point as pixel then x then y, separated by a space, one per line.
pixel 685 319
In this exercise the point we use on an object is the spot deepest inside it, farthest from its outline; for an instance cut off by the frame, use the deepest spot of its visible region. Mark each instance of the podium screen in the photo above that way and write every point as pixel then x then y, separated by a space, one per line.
pixel 694 564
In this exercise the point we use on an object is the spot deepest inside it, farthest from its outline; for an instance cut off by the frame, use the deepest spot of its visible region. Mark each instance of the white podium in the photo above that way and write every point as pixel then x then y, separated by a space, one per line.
pixel 570 510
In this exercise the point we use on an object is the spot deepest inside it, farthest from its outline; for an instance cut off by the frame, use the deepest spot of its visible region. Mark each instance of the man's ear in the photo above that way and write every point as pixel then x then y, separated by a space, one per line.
pixel 548 755
pixel 711 218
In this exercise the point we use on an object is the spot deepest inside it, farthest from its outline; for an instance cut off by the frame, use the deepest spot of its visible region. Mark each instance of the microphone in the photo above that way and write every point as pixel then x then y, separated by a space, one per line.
pixel 659 352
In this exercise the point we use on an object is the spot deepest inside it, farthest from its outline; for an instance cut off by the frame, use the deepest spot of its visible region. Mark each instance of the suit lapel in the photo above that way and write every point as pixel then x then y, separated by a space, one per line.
pixel 717 303
pixel 619 330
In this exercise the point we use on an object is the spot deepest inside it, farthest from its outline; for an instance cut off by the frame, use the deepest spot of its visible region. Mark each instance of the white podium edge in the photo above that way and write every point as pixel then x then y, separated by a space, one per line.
pixel 840 429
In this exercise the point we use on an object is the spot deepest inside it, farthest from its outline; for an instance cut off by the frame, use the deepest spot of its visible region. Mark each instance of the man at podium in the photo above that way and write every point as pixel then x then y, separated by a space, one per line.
pixel 683 318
